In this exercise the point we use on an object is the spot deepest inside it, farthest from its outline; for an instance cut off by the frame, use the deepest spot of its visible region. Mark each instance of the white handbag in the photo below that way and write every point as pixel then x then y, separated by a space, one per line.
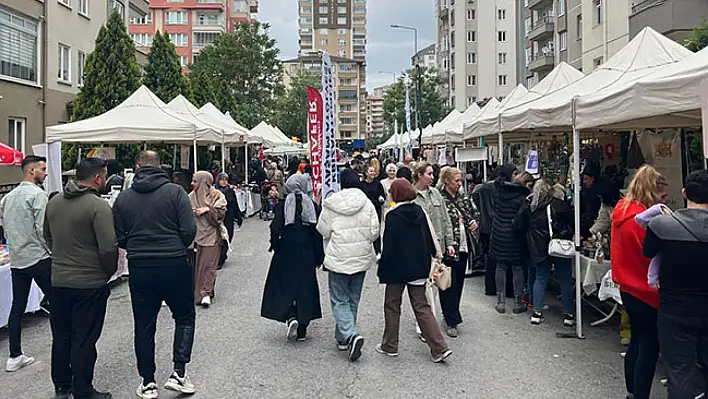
pixel 559 247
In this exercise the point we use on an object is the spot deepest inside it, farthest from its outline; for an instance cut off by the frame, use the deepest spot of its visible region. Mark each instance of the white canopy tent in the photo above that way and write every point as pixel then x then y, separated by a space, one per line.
pixel 391 142
pixel 241 133
pixel 439 128
pixel 453 132
pixel 488 123
pixel 644 54
pixel 283 136
pixel 669 97
pixel 269 136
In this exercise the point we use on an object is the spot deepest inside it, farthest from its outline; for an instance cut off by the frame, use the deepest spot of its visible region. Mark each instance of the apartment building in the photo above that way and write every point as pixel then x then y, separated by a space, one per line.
pixel 191 24
pixel 476 49
pixel 605 30
pixel 374 116
pixel 426 57
pixel 381 90
pixel 673 18
pixel 339 28
pixel 553 34
pixel 350 105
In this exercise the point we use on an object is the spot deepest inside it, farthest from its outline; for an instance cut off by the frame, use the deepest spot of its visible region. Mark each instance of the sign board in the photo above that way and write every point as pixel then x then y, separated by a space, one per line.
pixel 314 139
pixel 470 154
pixel 330 180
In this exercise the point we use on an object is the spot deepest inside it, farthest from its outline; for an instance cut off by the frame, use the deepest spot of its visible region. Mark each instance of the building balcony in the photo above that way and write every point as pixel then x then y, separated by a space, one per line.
pixel 542 63
pixel 206 5
pixel 533 4
pixel 673 18
pixel 542 29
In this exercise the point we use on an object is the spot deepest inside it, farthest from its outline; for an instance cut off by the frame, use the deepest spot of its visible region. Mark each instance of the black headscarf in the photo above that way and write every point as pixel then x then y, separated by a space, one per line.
pixel 349 179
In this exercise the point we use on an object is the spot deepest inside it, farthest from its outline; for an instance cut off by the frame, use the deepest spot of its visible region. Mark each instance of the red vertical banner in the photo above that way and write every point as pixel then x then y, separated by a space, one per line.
pixel 314 133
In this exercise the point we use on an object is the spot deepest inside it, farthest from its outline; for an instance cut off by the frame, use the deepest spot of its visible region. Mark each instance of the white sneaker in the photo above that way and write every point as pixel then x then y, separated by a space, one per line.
pixel 16 363
pixel 147 392
pixel 206 301
pixel 180 384
pixel 292 326
pixel 441 357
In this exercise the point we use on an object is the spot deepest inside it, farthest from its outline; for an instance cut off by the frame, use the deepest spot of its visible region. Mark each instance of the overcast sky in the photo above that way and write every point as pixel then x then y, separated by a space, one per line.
pixel 387 49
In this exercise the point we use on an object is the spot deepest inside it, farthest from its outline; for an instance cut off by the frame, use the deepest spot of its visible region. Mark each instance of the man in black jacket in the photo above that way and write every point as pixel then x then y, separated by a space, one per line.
pixel 155 223
pixel 483 197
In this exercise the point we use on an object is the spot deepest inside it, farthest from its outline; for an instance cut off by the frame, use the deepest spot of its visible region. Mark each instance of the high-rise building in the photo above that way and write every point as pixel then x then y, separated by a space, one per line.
pixel 191 24
pixel 425 58
pixel 339 28
pixel 476 49
pixel 605 30
pixel 374 116
pixel 673 18
pixel 350 106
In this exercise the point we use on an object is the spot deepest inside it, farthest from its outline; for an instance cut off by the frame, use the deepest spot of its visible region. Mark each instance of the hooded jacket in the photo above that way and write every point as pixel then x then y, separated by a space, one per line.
pixel 408 246
pixel 154 218
pixel 508 239
pixel 78 227
pixel 629 265
pixel 349 225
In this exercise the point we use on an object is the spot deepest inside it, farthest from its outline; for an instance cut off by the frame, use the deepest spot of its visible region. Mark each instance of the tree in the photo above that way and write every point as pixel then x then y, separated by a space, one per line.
pixel 291 110
pixel 202 89
pixel 433 106
pixel 698 39
pixel 163 72
pixel 112 74
pixel 245 71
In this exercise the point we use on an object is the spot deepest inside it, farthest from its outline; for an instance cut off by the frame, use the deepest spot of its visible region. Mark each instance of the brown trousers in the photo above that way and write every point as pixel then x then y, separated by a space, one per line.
pixel 423 314
pixel 207 259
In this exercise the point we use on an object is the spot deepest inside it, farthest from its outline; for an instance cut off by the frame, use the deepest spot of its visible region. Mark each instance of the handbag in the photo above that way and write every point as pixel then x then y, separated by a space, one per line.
pixel 559 247
pixel 440 274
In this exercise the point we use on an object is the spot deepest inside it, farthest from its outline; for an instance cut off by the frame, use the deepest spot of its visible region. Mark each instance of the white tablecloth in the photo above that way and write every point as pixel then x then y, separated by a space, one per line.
pixel 592 273
pixel 35 296
pixel 248 202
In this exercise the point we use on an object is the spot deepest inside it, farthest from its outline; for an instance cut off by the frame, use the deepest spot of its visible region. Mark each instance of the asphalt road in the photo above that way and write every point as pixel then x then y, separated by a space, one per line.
pixel 237 354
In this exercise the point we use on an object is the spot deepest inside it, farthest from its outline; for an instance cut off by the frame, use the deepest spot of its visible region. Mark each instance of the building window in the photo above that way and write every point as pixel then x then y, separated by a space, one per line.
pixel 176 18
pixel 64 63
pixel 341 10
pixel 141 39
pixel 528 26
pixel 471 100
pixel 80 65
pixel 501 35
pixel 19 51
pixel 305 10
pixel 502 58
pixel 183 62
pixel 563 39
pixel 471 80
pixel 501 14
pixel 471 36
pixel 529 55
pixel 471 58
pixel 597 5
pixel 341 20
pixel 65 2
pixel 560 7
pixel 323 10
pixel 471 14
pixel 84 7
pixel 597 62
pixel 342 42
pixel 144 20
pixel 17 133
pixel 179 39
pixel 341 52
pixel 208 19
pixel 502 80
pixel 359 10
pixel 117 5
pixel 306 20
pixel 579 26
pixel 341 31
pixel 324 32
pixel 324 20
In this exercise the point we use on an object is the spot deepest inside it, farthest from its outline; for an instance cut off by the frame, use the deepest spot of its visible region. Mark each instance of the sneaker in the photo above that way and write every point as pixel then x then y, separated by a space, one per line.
pixel 342 346
pixel 206 301
pixel 701 396
pixel 380 350
pixel 292 329
pixel 441 357
pixel 422 338
pixel 623 355
pixel 62 393
pixel 180 384
pixel 148 391
pixel 452 332
pixel 568 320
pixel 16 363
pixel 537 318
pixel 355 345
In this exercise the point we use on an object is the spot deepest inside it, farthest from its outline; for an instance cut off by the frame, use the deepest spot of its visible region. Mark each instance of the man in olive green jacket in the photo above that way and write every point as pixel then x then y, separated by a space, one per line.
pixel 78 227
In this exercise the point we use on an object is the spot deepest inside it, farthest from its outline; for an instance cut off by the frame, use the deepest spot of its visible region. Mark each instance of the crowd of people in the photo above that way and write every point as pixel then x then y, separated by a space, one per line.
pixel 400 218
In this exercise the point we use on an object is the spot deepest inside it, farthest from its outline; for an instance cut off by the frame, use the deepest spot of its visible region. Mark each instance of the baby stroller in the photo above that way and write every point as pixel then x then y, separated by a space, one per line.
pixel 267 203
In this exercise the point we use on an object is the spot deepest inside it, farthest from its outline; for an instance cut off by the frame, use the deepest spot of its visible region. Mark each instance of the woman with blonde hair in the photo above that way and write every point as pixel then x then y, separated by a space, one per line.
pixel 209 206
pixel 629 270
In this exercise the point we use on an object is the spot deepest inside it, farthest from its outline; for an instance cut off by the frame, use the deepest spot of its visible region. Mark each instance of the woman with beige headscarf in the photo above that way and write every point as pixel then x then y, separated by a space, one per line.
pixel 209 206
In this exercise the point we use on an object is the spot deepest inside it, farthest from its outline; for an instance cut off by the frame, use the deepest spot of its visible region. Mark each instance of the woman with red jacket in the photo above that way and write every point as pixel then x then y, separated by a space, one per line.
pixel 629 270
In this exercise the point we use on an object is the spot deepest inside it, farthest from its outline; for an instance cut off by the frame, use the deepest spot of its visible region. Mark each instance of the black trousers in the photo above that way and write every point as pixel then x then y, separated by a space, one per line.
pixel 151 282
pixel 450 298
pixel 77 322
pixel 490 285
pixel 41 273
pixel 684 343
pixel 229 224
pixel 643 351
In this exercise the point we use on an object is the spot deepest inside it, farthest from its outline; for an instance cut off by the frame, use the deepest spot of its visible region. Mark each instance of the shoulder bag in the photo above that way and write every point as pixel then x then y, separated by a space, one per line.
pixel 440 274
pixel 559 247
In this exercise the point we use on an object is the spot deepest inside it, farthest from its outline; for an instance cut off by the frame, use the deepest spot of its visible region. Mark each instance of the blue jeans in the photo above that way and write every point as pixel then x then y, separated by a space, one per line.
pixel 344 294
pixel 539 275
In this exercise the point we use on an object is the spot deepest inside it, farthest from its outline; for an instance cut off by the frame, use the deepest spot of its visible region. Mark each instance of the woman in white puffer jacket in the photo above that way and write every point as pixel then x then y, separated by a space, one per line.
pixel 349 225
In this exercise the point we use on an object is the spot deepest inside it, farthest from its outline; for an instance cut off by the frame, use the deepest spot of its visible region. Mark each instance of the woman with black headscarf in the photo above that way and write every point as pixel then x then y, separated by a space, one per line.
pixel 233 213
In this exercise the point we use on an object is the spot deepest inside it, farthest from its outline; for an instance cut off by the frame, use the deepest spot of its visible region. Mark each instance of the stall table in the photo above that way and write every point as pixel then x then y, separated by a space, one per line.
pixel 33 302
pixel 591 275
pixel 248 201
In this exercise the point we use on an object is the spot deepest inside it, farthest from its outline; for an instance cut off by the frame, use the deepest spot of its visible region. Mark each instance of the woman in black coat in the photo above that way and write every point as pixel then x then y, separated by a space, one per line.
pixel 233 213
pixel 291 294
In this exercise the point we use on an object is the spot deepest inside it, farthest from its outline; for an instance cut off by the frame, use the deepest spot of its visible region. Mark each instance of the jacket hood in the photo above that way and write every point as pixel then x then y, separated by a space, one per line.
pixel 73 190
pixel 410 214
pixel 510 191
pixel 346 202
pixel 684 225
pixel 149 178
pixel 621 214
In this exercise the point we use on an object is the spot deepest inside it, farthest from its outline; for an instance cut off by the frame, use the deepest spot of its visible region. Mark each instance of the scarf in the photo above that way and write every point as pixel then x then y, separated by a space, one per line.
pixel 202 191
pixel 299 184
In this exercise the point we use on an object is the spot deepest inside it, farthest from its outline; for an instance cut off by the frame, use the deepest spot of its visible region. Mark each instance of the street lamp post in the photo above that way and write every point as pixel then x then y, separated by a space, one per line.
pixel 417 84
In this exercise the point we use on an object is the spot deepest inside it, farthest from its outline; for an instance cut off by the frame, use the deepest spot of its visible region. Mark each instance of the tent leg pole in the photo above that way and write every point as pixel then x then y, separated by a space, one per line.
pixel 501 149
pixel 484 163
pixel 576 206
pixel 223 157
pixel 196 155
pixel 245 162
pixel 174 157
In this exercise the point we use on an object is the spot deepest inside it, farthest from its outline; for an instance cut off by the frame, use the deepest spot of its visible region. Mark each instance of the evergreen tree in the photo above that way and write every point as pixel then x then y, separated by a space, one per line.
pixel 202 89
pixel 698 39
pixel 291 111
pixel 433 106
pixel 112 74
pixel 163 72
